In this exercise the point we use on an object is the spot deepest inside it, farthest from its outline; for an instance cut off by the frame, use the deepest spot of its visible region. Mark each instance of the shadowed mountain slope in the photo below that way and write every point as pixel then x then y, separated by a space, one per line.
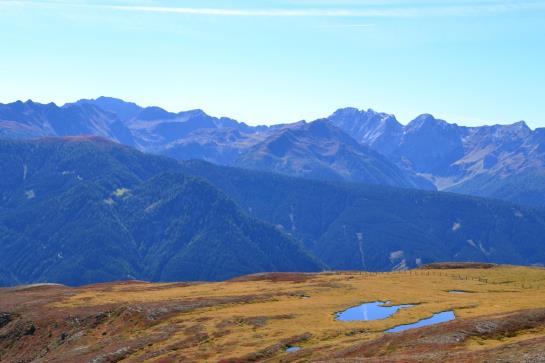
pixel 79 210
pixel 82 210
pixel 352 226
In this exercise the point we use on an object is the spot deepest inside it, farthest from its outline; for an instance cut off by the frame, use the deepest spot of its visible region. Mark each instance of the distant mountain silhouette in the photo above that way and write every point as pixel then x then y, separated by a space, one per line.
pixel 501 161
pixel 317 150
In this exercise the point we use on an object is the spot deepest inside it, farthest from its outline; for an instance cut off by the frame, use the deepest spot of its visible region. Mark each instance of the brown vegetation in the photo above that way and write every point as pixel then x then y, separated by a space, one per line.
pixel 255 318
pixel 457 265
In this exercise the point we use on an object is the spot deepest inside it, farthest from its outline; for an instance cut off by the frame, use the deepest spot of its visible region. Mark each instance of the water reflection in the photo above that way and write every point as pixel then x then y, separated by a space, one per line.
pixel 370 311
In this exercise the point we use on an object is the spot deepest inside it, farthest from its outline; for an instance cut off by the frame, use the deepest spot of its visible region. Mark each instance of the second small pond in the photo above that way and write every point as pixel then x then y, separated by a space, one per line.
pixel 441 317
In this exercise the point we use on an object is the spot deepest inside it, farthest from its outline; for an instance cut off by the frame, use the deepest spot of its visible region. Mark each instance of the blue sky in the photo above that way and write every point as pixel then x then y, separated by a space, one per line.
pixel 470 62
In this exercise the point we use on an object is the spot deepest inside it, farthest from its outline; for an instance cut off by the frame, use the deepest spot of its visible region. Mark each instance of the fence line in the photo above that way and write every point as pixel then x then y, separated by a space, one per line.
pixel 435 273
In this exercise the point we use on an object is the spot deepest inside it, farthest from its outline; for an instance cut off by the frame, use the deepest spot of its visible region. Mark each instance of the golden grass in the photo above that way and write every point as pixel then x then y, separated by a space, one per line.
pixel 231 332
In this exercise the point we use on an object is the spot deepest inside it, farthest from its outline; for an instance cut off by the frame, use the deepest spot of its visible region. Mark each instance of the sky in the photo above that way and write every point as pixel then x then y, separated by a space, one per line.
pixel 273 61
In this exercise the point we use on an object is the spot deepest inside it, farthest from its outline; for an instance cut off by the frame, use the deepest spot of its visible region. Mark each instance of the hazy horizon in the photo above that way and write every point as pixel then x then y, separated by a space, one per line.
pixel 279 61
pixel 403 122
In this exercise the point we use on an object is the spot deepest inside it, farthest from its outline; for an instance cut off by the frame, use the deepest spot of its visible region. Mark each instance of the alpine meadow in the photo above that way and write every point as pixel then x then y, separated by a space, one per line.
pixel 211 181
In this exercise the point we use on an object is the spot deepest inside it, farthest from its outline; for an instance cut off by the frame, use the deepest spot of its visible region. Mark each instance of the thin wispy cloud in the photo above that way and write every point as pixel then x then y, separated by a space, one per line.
pixel 251 12
pixel 405 11
pixel 348 26
pixel 354 9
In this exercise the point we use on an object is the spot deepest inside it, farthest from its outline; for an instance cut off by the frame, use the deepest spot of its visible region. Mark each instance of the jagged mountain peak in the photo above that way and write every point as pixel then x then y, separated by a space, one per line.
pixel 521 123
pixel 29 104
pixel 428 120
pixel 32 105
pixel 155 113
pixel 345 112
pixel 518 130
pixel 194 113
pixel 107 102
pixel 320 128
pixel 375 129
pixel 124 110
pixel 361 114
pixel 355 118
pixel 521 126
pixel 112 99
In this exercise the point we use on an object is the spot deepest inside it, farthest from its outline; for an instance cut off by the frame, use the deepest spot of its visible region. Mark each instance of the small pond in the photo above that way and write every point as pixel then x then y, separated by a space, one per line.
pixel 292 349
pixel 458 292
pixel 370 311
pixel 435 319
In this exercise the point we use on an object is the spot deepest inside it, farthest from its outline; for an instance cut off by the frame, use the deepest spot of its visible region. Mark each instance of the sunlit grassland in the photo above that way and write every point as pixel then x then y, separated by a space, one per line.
pixel 285 309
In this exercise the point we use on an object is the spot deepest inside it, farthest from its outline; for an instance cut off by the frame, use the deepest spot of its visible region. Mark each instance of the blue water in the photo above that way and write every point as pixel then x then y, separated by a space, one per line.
pixel 293 349
pixel 458 292
pixel 370 311
pixel 435 319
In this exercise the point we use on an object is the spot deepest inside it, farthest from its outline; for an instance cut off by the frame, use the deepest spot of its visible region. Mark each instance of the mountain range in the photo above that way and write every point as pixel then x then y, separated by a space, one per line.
pixel 79 210
pixel 501 161
pixel 101 190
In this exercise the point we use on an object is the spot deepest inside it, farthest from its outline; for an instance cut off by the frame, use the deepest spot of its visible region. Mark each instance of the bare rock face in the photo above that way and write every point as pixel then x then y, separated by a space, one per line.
pixel 5 319
pixel 501 161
